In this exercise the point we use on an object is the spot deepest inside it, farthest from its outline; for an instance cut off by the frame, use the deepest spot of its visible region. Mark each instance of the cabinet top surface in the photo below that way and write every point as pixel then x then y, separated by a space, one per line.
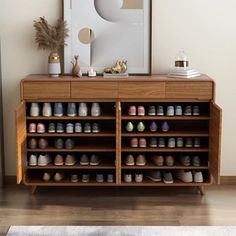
pixel 154 78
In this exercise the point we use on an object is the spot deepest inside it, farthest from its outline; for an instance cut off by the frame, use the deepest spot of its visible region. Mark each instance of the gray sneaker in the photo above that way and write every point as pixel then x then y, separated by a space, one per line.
pixel 70 160
pixel 171 142
pixel 60 128
pixel 44 159
pixel 85 178
pixel 178 111
pixel 196 111
pixel 83 109
pixel 197 176
pixel 152 111
pixel 189 143
pixel 94 160
pixel 197 143
pixel 84 160
pixel 71 109
pixel 184 175
pixel 138 178
pixel 153 143
pixel 180 142
pixel 78 128
pixel 100 178
pixel 110 178
pixel 69 128
pixel 167 177
pixel 74 178
pixel 51 128
pixel 70 143
pixel 128 178
pixel 160 111
pixel 95 128
pixel 185 160
pixel 87 128
pixel 154 175
pixel 59 143
pixel 47 109
pixel 170 111
pixel 161 143
pixel 196 161
pixel 95 109
pixel 58 109
pixel 188 111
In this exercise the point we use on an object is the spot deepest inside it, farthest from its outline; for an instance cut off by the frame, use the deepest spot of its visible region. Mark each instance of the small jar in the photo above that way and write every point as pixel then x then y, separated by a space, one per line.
pixel 181 61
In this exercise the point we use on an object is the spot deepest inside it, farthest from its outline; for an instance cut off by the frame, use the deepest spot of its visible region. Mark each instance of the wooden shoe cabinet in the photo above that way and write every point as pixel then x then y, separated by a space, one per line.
pixel 112 144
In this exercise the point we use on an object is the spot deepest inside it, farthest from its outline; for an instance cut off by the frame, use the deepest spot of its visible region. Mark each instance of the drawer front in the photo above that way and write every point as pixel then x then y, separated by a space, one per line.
pixel 143 90
pixel 190 90
pixel 43 90
pixel 94 90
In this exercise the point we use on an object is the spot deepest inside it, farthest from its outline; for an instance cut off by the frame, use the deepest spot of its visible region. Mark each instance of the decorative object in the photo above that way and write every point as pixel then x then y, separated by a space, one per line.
pixel 76 71
pixel 118 70
pixel 51 38
pixel 92 73
pixel 114 29
pixel 181 68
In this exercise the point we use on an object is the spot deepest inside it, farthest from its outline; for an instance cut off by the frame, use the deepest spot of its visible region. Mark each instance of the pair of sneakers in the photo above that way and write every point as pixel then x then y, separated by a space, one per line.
pixel 94 160
pixel 100 178
pixel 58 177
pixel 42 143
pixel 128 177
pixel 133 111
pixel 152 111
pixel 192 142
pixel 84 109
pixel 186 160
pixel 158 176
pixel 60 144
pixel 135 142
pixel 140 127
pixel 42 159
pixel 139 161
pixel 188 176
pixel 36 128
pixel 160 160
pixel 189 111
pixel 70 160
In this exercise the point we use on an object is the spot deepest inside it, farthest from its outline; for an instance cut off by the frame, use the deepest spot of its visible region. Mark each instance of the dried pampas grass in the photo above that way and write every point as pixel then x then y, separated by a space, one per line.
pixel 50 37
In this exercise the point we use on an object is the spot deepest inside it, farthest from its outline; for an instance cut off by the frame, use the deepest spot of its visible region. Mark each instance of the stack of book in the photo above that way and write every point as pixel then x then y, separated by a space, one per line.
pixel 184 73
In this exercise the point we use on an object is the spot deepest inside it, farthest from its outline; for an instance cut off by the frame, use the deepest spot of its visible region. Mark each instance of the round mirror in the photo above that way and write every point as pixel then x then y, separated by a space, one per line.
pixel 86 36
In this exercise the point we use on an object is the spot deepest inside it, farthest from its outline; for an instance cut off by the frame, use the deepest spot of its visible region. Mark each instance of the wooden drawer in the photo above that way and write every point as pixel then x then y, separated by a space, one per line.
pixel 143 90
pixel 191 90
pixel 94 90
pixel 46 90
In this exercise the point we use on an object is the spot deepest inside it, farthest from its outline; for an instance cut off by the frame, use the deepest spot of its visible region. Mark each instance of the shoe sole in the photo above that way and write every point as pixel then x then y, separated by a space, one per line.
pixel 58 164
pixel 130 164
pixel 132 114
pixel 84 163
pixel 153 179
pixel 43 164
pixel 70 164
pixel 153 146
pixel 168 182
pixel 140 164
pixel 94 164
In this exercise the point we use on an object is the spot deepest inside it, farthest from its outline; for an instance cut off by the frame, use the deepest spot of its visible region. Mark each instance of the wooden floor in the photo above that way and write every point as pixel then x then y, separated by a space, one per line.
pixel 124 206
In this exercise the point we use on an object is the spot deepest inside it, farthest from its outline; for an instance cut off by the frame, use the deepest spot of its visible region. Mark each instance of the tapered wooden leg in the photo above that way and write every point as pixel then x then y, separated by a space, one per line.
pixel 201 190
pixel 33 189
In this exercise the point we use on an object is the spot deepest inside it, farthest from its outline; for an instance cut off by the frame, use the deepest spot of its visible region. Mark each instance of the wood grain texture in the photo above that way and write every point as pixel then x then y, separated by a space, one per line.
pixel 189 90
pixel 94 89
pixel 46 90
pixel 20 119
pixel 117 206
pixel 215 141
pixel 141 90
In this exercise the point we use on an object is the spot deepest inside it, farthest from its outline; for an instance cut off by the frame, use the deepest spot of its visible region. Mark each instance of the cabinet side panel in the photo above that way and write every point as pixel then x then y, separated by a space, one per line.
pixel 20 117
pixel 215 141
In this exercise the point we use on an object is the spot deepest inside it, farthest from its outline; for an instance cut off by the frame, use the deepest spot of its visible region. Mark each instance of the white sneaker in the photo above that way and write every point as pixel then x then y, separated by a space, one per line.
pixel 83 109
pixel 170 111
pixel 180 142
pixel 197 176
pixel 178 111
pixel 185 175
pixel 95 109
pixel 44 160
pixel 128 178
pixel 47 109
pixel 33 160
pixel 171 142
pixel 34 109
pixel 138 178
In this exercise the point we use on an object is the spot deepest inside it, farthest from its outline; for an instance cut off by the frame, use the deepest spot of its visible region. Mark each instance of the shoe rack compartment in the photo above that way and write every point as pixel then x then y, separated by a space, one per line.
pixel 112 142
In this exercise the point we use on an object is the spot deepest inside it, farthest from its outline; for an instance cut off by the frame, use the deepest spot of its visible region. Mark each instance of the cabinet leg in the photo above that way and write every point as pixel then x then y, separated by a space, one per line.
pixel 201 190
pixel 33 189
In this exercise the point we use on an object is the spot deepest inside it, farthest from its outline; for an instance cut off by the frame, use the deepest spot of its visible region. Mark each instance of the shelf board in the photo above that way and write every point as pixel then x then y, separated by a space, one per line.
pixel 153 166
pixel 76 149
pixel 167 134
pixel 69 118
pixel 103 166
pixel 148 182
pixel 100 134
pixel 127 117
pixel 130 149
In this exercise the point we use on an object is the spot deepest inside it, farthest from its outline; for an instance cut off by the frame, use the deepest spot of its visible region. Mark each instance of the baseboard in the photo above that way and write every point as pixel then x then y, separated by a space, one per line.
pixel 224 180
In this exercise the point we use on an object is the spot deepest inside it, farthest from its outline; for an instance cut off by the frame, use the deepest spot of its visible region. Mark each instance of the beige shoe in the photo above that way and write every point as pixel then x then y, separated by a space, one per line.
pixel 59 161
pixel 47 176
pixel 141 160
pixel 129 160
pixel 70 160
pixel 128 178
pixel 59 177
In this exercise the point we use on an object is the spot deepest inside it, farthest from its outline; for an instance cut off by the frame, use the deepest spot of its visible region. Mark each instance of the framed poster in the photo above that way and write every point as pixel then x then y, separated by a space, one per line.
pixel 104 31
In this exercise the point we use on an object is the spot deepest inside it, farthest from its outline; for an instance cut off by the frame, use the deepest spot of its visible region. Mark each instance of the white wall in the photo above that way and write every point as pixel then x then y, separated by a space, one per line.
pixel 204 28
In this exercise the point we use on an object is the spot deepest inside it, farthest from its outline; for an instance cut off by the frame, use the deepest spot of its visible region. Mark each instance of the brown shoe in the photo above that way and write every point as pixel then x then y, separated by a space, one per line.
pixel 158 160
pixel 43 143
pixel 169 160
pixel 70 160
pixel 141 160
pixel 129 160
pixel 59 161
pixel 32 143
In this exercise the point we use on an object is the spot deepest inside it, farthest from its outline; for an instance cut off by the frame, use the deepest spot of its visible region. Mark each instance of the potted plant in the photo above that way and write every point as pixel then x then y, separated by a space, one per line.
pixel 51 38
